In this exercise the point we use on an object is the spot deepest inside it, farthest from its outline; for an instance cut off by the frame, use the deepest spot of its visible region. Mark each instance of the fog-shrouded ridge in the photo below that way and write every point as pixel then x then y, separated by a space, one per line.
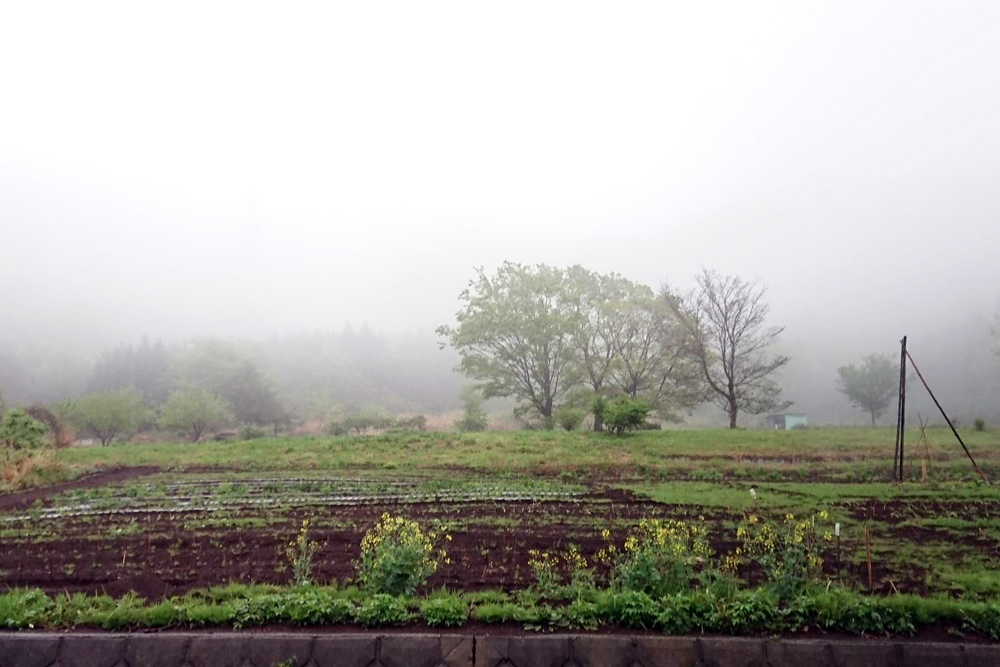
pixel 313 187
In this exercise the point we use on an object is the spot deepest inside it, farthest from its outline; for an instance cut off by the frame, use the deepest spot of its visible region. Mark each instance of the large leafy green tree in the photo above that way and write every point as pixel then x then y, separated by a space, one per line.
pixel 109 414
pixel 652 362
pixel 598 310
pixel 872 385
pixel 514 335
pixel 724 321
pixel 192 412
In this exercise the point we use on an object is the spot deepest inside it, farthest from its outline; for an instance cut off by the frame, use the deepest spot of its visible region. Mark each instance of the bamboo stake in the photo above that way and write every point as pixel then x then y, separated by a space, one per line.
pixel 868 551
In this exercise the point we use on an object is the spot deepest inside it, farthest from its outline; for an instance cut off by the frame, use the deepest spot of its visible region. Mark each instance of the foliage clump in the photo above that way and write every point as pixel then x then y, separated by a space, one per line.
pixel 18 431
pixel 871 386
pixel 659 556
pixel 398 556
pixel 27 460
pixel 570 418
pixel 447 610
pixel 109 414
pixel 474 418
pixel 193 412
pixel 300 553
pixel 789 553
pixel 624 414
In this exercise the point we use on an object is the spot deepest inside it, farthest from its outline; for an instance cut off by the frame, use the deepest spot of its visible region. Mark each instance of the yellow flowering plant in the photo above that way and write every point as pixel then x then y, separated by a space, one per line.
pixel 659 556
pixel 300 552
pixel 545 567
pixel 548 569
pixel 788 552
pixel 398 556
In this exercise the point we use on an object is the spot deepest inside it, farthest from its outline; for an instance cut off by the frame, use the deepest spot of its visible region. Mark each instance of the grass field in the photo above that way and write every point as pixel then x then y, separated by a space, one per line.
pixel 185 516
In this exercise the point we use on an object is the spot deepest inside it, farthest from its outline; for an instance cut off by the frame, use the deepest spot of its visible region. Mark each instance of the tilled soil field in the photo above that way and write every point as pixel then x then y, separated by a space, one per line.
pixel 160 534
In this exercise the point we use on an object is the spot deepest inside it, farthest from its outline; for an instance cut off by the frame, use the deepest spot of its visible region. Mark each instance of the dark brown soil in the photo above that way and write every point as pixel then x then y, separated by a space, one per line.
pixel 158 554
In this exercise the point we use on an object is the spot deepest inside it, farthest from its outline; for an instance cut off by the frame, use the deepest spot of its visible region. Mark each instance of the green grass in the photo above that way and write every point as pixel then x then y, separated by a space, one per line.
pixel 737 612
pixel 834 451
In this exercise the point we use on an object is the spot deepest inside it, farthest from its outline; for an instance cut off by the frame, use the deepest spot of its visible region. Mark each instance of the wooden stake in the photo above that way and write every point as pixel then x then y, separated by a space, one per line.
pixel 868 550
pixel 925 459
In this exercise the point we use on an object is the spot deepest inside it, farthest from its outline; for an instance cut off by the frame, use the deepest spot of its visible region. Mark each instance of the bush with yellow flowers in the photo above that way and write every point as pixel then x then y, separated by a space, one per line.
pixel 398 556
pixel 300 552
pixel 659 557
pixel 789 552
pixel 549 569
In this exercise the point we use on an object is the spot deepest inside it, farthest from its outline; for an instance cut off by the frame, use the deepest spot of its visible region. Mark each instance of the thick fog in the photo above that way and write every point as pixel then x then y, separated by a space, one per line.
pixel 240 171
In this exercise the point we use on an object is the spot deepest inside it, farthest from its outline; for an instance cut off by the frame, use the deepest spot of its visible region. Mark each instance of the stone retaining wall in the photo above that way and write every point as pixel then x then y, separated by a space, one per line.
pixel 264 649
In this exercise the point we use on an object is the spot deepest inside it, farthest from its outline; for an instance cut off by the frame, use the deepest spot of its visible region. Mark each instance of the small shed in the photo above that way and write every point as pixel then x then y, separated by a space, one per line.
pixel 785 421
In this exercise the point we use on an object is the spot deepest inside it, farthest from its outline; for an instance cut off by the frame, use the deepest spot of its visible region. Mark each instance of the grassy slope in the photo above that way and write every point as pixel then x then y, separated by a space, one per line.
pixel 647 452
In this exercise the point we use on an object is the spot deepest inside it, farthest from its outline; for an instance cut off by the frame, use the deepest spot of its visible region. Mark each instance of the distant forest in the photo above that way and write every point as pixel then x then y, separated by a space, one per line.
pixel 310 375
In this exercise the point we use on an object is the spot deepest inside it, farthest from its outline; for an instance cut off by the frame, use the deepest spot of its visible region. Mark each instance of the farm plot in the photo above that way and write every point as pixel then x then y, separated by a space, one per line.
pixel 170 532
pixel 174 532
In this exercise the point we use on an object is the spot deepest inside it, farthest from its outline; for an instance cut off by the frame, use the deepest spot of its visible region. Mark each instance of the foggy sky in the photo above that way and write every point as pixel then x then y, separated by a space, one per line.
pixel 242 169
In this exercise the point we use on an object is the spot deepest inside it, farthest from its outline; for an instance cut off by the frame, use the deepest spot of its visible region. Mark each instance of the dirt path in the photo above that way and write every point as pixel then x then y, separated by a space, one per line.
pixel 26 498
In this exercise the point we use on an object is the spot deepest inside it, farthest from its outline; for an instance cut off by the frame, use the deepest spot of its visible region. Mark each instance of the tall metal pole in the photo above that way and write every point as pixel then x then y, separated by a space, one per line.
pixel 897 456
pixel 902 410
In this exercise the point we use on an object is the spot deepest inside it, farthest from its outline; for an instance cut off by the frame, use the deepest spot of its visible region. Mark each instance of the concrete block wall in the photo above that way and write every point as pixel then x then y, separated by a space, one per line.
pixel 268 649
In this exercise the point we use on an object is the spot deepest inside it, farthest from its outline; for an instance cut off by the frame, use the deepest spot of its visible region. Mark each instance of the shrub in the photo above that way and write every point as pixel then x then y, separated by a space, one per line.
pixel 24 609
pixel 416 423
pixel 677 615
pixel 494 612
pixel 251 432
pixel 625 414
pixel 474 418
pixel 309 606
pixel 35 469
pixel 360 423
pixel 570 418
pixel 382 609
pixel 789 553
pixel 980 425
pixel 753 611
pixel 582 615
pixel 445 610
pixel 19 431
pixel 660 556
pixel 549 568
pixel 398 556
pixel 633 609
pixel 545 568
pixel 300 554
pixel 336 429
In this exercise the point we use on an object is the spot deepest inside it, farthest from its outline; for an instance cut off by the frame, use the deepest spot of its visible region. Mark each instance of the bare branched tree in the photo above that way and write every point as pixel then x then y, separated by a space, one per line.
pixel 724 319
pixel 653 363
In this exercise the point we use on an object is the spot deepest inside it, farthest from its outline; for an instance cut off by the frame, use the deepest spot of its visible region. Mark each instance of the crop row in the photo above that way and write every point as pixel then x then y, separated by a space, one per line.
pixel 177 506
